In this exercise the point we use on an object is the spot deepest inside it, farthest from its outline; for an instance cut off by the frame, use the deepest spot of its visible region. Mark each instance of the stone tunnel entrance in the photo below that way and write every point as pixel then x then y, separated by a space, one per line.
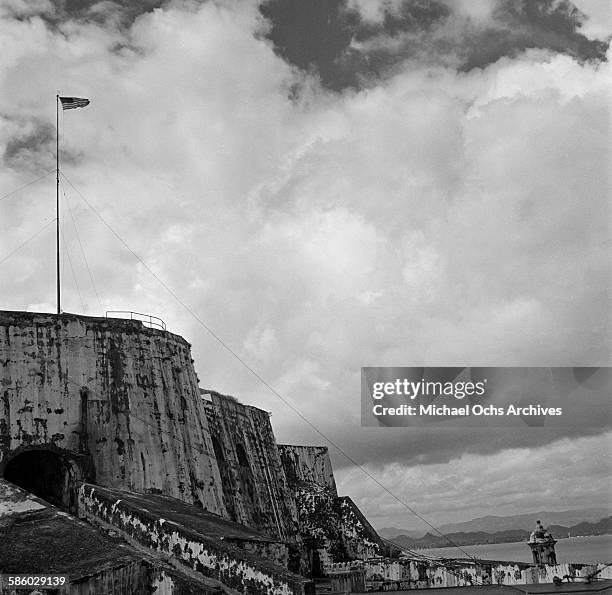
pixel 48 474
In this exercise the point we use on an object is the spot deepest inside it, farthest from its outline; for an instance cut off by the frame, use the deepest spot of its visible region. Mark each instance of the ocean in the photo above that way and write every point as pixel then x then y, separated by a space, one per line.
pixel 591 549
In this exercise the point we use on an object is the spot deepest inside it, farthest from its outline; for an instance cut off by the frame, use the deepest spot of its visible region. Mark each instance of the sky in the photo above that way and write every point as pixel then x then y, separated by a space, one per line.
pixel 326 186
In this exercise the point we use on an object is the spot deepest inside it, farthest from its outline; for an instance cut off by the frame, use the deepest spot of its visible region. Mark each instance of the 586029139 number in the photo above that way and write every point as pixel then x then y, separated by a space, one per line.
pixel 32 581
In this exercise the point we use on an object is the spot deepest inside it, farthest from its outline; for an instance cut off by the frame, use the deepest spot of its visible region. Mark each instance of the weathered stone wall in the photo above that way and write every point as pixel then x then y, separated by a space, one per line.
pixel 309 464
pixel 122 393
pixel 544 573
pixel 358 536
pixel 319 527
pixel 207 556
pixel 255 489
pixel 276 552
pixel 346 580
pixel 332 528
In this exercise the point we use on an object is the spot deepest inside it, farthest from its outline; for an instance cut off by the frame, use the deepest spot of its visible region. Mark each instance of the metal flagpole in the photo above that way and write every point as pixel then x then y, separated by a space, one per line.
pixel 57 211
pixel 67 103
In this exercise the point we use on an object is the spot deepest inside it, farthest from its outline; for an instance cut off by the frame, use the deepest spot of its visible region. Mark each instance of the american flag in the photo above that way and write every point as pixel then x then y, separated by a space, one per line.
pixel 73 102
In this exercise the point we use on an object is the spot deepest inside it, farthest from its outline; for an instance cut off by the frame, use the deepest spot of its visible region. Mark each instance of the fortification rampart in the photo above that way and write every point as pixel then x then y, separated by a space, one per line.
pixel 108 391
pixel 332 528
pixel 255 488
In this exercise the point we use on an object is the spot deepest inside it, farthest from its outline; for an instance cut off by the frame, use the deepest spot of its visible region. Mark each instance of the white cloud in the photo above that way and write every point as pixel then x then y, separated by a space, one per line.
pixel 479 11
pixel 599 22
pixel 374 11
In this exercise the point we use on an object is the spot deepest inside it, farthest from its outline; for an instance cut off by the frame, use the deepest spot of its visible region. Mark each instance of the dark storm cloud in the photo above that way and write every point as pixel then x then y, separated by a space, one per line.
pixel 317 35
pixel 431 446
pixel 313 36
pixel 582 393
pixel 348 50
pixel 521 478
pixel 544 24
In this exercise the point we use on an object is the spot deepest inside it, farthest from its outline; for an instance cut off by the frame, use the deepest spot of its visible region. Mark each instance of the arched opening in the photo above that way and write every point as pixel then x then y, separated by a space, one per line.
pixel 45 474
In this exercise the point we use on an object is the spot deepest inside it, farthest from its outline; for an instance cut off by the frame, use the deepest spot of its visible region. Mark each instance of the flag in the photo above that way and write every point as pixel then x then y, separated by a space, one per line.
pixel 73 102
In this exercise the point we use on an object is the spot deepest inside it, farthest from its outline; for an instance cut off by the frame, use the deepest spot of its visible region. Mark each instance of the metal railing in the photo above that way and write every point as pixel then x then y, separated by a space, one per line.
pixel 146 319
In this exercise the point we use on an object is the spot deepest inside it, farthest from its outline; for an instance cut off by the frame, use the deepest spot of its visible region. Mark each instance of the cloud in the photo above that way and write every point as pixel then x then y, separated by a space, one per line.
pixel 25 8
pixel 479 11
pixel 375 12
pixel 439 217
pixel 598 21
pixel 31 145
pixel 517 481
pixel 116 14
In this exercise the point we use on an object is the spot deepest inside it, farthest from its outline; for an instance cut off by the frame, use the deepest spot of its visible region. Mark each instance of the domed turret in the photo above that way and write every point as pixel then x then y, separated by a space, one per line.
pixel 542 545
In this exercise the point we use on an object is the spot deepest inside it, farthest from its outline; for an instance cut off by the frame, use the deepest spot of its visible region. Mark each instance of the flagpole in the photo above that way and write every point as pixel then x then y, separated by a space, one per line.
pixel 67 103
pixel 57 211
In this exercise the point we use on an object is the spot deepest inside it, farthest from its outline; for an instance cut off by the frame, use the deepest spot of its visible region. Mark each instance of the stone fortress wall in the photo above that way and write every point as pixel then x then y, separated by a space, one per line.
pixel 255 489
pixel 120 399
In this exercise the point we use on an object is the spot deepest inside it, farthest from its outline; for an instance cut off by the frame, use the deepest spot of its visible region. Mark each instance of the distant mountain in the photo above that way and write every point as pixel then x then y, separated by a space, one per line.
pixel 558 531
pixel 391 532
pixel 492 524
pixel 603 527
pixel 463 538
pixel 429 540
